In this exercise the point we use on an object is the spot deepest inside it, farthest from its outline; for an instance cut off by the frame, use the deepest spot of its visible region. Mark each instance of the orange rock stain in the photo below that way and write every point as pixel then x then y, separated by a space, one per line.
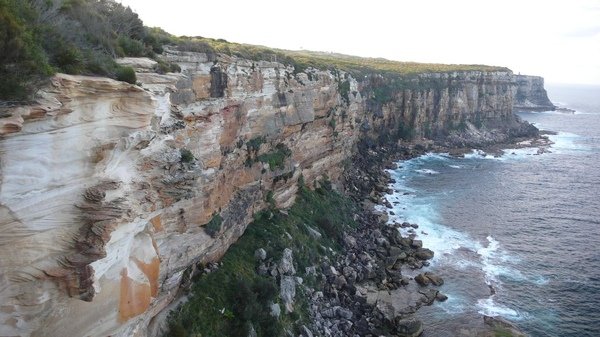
pixel 134 298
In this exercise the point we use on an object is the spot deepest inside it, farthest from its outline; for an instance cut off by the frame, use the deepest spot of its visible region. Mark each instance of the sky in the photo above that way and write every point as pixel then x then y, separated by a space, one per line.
pixel 556 39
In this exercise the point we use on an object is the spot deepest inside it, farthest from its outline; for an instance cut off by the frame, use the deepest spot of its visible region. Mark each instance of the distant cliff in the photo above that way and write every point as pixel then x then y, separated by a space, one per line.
pixel 530 94
pixel 111 193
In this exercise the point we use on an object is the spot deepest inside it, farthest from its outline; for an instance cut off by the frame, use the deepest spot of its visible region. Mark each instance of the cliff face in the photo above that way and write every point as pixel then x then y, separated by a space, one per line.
pixel 530 94
pixel 111 194
pixel 437 105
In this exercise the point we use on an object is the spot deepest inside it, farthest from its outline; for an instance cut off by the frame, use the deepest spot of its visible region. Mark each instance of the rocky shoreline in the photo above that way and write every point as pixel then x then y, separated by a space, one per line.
pixel 365 292
pixel 357 281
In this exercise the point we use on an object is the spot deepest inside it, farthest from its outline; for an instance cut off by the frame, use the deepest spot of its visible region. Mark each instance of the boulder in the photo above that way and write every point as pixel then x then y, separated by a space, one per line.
pixel 287 292
pixel 260 254
pixel 286 265
pixel 409 327
pixel 275 310
pixel 390 262
pixel 441 297
pixel 430 295
pixel 328 313
pixel 499 323
pixel 349 241
pixel 262 269
pixel 340 282
pixel 424 254
pixel 313 233
pixel 422 280
pixel 417 244
pixel 435 279
pixel 306 332
pixel 395 251
pixel 252 332
pixel 343 313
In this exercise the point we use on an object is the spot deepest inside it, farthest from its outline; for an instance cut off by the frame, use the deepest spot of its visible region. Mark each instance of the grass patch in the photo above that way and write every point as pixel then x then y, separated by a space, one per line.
pixel 234 298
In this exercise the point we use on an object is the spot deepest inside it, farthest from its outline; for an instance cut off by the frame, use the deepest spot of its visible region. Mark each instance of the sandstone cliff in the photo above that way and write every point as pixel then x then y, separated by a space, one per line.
pixel 112 193
pixel 530 94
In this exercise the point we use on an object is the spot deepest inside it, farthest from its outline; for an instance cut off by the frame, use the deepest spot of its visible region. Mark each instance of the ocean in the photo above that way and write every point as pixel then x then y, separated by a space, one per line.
pixel 516 236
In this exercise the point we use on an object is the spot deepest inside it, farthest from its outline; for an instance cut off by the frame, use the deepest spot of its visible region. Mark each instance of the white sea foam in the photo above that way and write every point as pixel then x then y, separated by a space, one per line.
pixel 489 307
pixel 509 154
pixel 427 171
pixel 566 142
pixel 454 305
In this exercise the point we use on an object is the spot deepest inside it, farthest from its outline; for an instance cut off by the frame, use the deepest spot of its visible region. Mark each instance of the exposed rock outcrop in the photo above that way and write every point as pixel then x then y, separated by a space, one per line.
pixel 530 94
pixel 111 192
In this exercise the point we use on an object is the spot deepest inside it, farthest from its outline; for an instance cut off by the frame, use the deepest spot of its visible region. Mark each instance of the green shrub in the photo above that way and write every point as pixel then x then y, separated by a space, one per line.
pixel 69 60
pixel 214 225
pixel 276 158
pixel 344 89
pixel 186 155
pixel 163 67
pixel 126 74
pixel 130 47
pixel 332 123
pixel 22 60
pixel 253 145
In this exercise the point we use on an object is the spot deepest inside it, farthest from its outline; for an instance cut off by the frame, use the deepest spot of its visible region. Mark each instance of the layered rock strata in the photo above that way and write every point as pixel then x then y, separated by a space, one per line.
pixel 110 193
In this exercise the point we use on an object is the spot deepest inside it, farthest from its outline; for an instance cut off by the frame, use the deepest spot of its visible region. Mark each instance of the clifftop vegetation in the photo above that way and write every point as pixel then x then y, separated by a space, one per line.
pixel 358 66
pixel 41 37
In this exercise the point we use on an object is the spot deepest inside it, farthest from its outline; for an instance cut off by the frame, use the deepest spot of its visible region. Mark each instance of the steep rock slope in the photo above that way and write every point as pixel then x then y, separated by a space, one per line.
pixel 111 194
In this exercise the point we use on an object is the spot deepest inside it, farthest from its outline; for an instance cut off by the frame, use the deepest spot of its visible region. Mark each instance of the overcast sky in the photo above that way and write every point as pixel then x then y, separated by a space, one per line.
pixel 557 39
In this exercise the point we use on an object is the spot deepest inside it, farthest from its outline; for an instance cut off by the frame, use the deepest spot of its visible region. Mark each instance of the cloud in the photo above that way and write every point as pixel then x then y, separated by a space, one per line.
pixel 584 32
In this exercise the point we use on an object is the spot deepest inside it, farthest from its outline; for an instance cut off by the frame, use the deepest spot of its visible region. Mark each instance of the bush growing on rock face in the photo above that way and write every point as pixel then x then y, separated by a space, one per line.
pixel 214 225
pixel 276 158
pixel 186 156
pixel 127 74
